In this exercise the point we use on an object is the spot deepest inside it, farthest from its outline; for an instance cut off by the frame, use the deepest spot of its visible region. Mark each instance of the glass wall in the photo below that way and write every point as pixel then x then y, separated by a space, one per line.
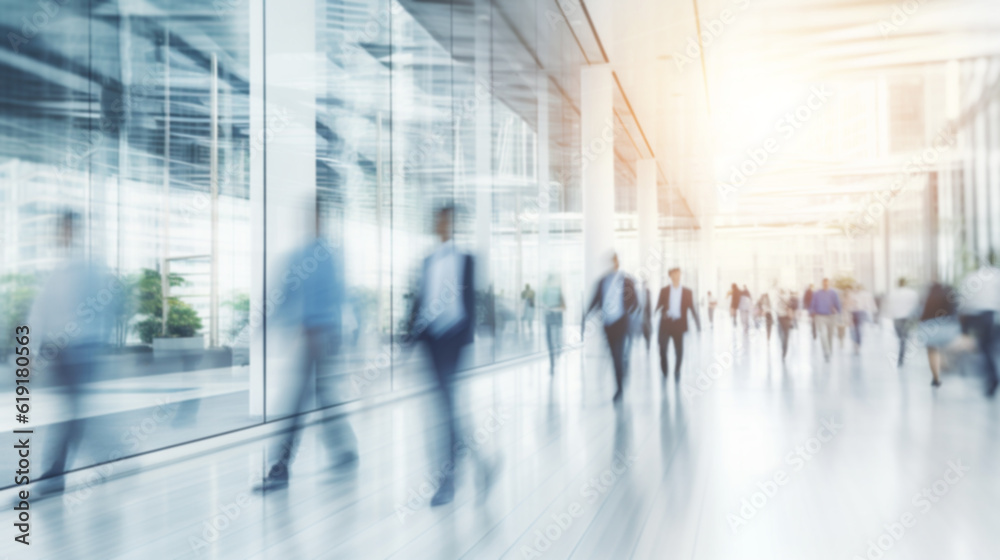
pixel 173 161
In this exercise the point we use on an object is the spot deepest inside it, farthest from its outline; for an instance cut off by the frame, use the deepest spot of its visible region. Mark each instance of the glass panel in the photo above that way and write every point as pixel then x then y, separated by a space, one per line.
pixel 124 195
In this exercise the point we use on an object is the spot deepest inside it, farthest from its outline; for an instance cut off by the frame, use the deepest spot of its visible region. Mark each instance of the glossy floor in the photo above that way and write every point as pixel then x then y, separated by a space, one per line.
pixel 746 458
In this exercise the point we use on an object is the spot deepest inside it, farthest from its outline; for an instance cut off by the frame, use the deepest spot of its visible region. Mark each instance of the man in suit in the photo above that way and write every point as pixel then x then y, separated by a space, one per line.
pixel 615 297
pixel 443 318
pixel 675 301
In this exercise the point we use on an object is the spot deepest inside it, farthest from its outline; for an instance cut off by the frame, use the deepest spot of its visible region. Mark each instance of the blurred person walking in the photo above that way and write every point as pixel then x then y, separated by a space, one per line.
pixel 734 301
pixel 676 302
pixel 980 302
pixel 528 312
pixel 746 304
pixel 824 306
pixel 807 305
pixel 764 311
pixel 555 305
pixel 862 310
pixel 786 317
pixel 615 297
pixel 713 302
pixel 70 320
pixel 311 316
pixel 901 306
pixel 443 318
pixel 940 328
pixel 647 314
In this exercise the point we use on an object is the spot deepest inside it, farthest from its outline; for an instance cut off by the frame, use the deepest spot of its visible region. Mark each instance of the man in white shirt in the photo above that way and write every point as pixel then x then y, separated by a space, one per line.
pixel 616 297
pixel 676 302
pixel 901 306
pixel 443 318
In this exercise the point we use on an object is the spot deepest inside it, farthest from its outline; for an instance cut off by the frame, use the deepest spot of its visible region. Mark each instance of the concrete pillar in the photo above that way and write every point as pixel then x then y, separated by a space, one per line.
pixel 289 150
pixel 598 170
pixel 256 156
pixel 650 259
pixel 545 192
pixel 484 145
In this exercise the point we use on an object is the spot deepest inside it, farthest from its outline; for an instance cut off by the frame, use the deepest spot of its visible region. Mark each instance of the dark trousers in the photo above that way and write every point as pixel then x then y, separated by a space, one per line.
pixel 305 382
pixel 902 327
pixel 982 325
pixel 671 330
pixel 784 326
pixel 553 335
pixel 812 320
pixel 857 318
pixel 616 333
pixel 769 321
pixel 445 353
pixel 73 366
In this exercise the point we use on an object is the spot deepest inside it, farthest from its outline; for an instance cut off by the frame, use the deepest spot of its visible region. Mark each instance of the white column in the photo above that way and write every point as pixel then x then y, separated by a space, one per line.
pixel 650 259
pixel 256 333
pixel 291 73
pixel 598 170
pixel 484 146
pixel 545 192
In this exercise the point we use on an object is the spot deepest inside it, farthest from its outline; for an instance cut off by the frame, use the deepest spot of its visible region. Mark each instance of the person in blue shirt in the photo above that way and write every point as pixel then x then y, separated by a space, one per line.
pixel 825 307
pixel 313 290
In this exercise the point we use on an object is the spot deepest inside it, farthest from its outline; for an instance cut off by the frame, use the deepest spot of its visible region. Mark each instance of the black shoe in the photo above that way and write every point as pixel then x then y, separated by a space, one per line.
pixel 677 377
pixel 273 481
pixel 51 485
pixel 617 397
pixel 487 477
pixel 935 383
pixel 444 495
pixel 346 460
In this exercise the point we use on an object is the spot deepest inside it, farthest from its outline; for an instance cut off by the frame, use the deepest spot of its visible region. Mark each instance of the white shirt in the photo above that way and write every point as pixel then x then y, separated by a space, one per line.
pixel 901 303
pixel 613 297
pixel 442 292
pixel 674 305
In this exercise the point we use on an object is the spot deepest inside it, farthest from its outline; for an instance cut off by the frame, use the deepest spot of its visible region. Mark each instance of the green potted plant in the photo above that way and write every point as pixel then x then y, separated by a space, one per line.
pixel 183 323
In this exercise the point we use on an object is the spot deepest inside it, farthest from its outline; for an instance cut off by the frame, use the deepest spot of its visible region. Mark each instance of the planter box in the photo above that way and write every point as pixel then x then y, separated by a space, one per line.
pixel 164 347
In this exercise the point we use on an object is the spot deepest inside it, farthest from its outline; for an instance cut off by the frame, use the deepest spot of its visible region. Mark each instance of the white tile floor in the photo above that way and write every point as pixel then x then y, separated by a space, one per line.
pixel 736 469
